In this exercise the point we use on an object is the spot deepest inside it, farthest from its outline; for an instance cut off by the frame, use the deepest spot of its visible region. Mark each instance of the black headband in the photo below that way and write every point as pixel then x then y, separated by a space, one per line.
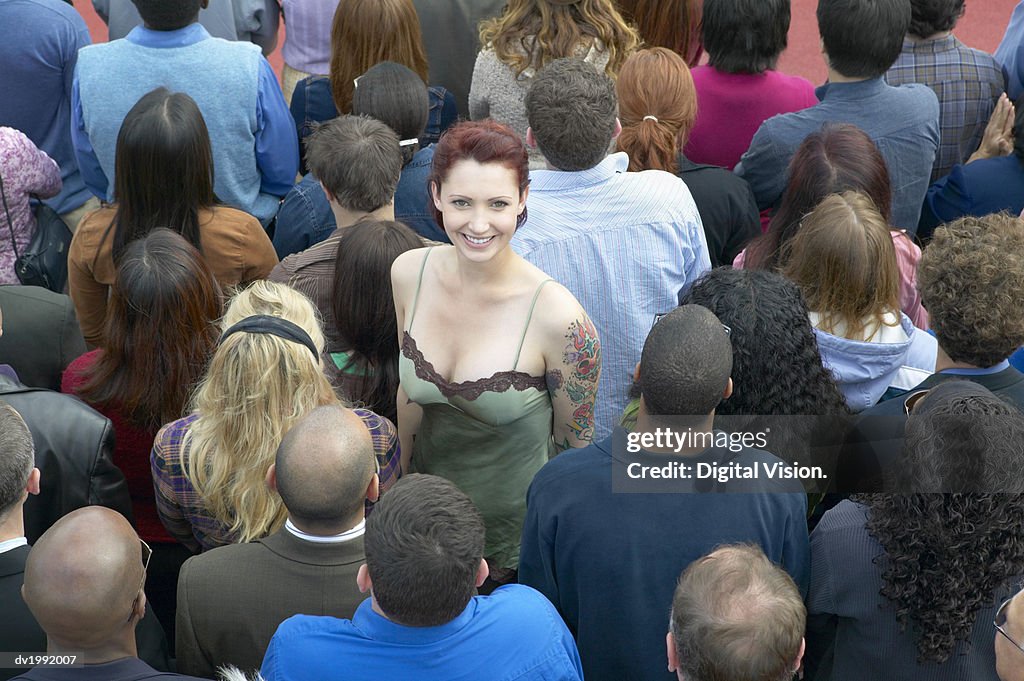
pixel 275 326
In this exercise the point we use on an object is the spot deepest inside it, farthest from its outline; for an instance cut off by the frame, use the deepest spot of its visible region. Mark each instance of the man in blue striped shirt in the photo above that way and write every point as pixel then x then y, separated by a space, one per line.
pixel 624 244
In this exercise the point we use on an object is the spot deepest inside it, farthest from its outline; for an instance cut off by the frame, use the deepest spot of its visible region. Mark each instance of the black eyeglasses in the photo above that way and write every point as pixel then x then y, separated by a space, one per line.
pixel 1000 622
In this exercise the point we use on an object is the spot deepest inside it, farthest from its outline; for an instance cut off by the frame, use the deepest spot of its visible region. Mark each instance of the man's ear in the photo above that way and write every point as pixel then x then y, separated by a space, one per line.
pixel 363 579
pixel 636 373
pixel 140 606
pixel 373 489
pixel 618 129
pixel 727 393
pixel 531 141
pixel 327 193
pixel 800 656
pixel 482 571
pixel 271 478
pixel 673 658
pixel 33 482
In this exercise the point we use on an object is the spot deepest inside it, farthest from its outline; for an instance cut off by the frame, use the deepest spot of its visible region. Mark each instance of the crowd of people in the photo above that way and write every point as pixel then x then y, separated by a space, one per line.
pixel 538 339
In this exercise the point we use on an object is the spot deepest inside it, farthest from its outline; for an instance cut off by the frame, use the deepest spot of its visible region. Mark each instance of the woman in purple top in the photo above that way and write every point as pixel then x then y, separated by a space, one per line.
pixel 24 170
pixel 739 88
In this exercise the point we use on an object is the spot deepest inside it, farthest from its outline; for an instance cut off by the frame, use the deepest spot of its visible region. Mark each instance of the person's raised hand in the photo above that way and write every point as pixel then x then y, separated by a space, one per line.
pixel 998 137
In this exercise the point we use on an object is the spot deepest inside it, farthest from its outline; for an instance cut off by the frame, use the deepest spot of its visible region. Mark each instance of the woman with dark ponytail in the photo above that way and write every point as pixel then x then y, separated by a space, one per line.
pixel 657 108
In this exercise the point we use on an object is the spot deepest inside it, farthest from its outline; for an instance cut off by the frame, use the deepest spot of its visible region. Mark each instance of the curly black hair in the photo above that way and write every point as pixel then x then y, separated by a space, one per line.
pixel 946 554
pixel 777 367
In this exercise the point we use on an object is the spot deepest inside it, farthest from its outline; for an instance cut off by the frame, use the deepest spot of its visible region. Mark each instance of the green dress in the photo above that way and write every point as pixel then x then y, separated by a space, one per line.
pixel 489 436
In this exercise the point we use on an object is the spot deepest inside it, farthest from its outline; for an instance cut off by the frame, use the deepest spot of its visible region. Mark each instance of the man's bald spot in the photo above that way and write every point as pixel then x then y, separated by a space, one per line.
pixel 324 465
pixel 83 575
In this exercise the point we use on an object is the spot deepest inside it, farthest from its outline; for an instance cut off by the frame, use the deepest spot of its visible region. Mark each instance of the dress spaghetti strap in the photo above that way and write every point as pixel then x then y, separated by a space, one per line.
pixel 419 283
pixel 526 327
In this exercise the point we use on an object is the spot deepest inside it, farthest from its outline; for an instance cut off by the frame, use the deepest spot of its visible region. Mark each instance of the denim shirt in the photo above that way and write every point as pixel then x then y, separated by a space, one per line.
pixel 902 121
pixel 312 103
pixel 305 218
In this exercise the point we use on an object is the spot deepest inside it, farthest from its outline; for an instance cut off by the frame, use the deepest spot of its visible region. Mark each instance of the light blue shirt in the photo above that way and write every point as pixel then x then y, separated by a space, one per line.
pixel 274 143
pixel 625 244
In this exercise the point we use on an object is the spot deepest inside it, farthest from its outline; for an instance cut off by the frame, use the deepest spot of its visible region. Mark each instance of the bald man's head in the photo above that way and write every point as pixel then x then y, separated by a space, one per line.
pixel 83 579
pixel 324 466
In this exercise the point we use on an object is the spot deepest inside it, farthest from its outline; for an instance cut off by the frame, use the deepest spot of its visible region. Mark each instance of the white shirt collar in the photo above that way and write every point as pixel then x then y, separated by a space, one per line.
pixel 11 544
pixel 356 531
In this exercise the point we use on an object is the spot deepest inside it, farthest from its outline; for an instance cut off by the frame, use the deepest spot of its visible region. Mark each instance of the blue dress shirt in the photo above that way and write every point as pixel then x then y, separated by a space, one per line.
pixel 625 244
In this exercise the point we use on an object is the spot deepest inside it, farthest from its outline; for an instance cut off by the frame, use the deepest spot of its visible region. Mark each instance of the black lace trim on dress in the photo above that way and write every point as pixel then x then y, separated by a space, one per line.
pixel 469 390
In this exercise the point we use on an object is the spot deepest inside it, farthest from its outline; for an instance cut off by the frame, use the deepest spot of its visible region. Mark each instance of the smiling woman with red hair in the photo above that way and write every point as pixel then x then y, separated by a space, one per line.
pixel 500 364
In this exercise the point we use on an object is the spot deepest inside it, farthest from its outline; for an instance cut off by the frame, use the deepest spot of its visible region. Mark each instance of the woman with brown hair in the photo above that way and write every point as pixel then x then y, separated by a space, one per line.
pixel 838 158
pixel 365 33
pixel 164 178
pixel 364 307
pixel 674 24
pixel 160 333
pixel 528 35
pixel 844 263
pixel 657 109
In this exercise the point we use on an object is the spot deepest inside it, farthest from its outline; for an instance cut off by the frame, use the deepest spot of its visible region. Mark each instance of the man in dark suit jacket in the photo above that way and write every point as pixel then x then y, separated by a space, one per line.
pixel 40 334
pixel 18 478
pixel 231 599
pixel 971 279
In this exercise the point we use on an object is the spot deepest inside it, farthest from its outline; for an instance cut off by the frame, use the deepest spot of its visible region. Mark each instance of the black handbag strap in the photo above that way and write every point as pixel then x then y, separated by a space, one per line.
pixel 7 213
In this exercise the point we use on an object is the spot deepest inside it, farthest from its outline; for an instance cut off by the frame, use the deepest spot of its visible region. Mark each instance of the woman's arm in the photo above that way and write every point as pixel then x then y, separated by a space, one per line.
pixel 572 358
pixel 403 284
pixel 166 466
pixel 40 173
pixel 88 295
pixel 409 416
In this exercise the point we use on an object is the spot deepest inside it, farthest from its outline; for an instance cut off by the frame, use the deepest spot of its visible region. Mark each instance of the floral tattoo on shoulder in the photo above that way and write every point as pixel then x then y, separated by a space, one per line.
pixel 582 358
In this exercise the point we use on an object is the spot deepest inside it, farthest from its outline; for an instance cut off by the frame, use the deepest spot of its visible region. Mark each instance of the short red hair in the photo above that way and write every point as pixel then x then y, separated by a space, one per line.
pixel 483 141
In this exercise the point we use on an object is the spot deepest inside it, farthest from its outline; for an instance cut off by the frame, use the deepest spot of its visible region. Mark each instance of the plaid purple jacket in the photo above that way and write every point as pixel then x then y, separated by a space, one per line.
pixel 180 507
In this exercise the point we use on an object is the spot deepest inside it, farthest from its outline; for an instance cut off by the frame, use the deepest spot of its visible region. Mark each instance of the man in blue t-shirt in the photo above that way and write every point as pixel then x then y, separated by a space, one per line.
pixel 424 561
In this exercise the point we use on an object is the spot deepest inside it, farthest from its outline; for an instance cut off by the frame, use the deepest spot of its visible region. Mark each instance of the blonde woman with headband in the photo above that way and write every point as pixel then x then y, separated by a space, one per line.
pixel 528 35
pixel 209 467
